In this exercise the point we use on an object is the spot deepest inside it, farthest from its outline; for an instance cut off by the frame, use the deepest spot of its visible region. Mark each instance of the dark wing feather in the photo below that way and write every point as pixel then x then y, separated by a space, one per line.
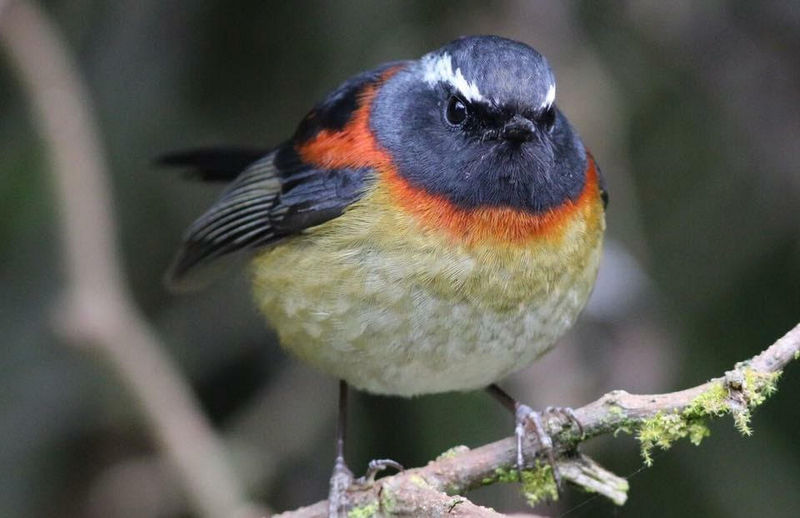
pixel 275 197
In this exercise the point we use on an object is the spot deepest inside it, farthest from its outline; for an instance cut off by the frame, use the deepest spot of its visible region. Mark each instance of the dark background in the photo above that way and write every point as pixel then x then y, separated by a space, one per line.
pixel 691 109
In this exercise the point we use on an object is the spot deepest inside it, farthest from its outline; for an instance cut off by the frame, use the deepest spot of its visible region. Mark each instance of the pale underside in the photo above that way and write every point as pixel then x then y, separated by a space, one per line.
pixel 374 299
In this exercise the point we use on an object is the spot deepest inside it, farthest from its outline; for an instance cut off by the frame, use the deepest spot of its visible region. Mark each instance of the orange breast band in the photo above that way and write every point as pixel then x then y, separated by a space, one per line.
pixel 504 225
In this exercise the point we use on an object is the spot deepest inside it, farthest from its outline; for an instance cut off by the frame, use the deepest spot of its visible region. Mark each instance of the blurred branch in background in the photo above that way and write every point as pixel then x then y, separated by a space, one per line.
pixel 97 311
pixel 657 420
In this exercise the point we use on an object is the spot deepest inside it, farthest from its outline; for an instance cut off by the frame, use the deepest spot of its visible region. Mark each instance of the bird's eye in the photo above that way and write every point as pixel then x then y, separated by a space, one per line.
pixel 456 112
pixel 548 118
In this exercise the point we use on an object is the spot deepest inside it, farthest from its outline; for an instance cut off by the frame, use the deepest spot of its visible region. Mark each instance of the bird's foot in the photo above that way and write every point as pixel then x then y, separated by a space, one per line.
pixel 527 420
pixel 374 467
pixel 342 479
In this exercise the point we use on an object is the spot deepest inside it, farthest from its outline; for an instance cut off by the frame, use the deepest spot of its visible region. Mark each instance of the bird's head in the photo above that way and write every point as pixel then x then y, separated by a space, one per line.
pixel 476 122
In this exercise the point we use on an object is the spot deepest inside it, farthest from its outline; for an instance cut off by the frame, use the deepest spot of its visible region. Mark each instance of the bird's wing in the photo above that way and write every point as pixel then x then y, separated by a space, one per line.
pixel 279 193
pixel 275 197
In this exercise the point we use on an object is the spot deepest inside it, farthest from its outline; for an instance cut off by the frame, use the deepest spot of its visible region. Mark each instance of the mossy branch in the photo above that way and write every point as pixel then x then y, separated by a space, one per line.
pixel 656 420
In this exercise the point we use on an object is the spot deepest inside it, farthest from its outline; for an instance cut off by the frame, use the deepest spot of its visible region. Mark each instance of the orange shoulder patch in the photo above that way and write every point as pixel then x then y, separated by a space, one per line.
pixel 352 146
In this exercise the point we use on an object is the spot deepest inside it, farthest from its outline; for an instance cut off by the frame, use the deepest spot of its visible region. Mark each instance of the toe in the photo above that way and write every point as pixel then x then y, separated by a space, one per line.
pixel 567 415
pixel 376 466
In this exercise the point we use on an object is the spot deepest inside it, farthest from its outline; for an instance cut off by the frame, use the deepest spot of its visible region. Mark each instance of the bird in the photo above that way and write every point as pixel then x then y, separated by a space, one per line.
pixel 433 225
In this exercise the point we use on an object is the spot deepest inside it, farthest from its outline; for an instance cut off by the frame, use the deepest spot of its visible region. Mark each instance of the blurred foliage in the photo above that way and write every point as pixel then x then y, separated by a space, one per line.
pixel 692 109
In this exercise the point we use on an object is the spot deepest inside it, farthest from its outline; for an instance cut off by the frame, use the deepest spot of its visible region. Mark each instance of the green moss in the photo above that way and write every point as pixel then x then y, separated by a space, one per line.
pixel 452 452
pixel 757 387
pixel 662 429
pixel 697 431
pixel 388 501
pixel 628 427
pixel 506 475
pixel 741 420
pixel 538 484
pixel 618 419
pixel 616 412
pixel 366 511
pixel 712 402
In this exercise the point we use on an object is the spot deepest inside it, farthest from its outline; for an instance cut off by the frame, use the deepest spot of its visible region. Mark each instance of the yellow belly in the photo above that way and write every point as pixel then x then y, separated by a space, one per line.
pixel 374 299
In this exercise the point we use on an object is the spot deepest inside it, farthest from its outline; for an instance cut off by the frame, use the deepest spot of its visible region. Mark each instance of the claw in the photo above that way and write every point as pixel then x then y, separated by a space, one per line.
pixel 568 414
pixel 524 415
pixel 375 466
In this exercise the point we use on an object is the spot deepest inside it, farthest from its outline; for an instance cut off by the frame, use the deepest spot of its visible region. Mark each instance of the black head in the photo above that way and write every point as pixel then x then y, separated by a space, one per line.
pixel 476 122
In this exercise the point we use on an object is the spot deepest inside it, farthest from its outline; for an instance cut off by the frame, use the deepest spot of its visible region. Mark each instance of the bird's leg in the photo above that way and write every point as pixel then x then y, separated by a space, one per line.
pixel 342 477
pixel 526 417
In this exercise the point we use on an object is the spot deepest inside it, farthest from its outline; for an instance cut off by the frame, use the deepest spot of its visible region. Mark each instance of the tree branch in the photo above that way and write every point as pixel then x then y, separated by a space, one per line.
pixel 98 311
pixel 656 420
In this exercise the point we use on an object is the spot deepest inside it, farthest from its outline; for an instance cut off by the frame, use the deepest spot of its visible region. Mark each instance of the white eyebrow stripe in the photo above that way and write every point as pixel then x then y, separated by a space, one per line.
pixel 551 96
pixel 440 69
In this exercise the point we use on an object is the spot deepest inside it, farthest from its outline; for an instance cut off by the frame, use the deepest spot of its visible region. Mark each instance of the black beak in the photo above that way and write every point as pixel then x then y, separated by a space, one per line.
pixel 518 129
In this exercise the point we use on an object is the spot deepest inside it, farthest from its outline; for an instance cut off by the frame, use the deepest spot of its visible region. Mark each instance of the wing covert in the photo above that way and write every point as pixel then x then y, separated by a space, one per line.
pixel 275 197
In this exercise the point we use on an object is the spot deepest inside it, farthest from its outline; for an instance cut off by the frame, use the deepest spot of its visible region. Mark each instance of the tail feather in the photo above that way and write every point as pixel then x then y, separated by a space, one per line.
pixel 212 164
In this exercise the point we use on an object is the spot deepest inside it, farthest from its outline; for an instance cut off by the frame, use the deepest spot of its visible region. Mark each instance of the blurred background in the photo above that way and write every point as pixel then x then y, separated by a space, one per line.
pixel 692 110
